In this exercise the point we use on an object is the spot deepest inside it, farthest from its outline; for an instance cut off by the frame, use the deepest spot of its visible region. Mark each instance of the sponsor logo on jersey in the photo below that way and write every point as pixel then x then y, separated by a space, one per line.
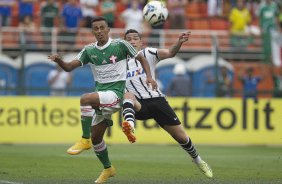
pixel 135 73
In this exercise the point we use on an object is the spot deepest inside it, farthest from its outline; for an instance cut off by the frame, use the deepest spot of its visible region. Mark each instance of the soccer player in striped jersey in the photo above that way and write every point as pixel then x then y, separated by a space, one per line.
pixel 108 60
pixel 142 102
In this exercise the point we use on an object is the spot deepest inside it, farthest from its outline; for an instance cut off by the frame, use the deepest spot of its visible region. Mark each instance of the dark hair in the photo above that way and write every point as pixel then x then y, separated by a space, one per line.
pixel 99 18
pixel 132 31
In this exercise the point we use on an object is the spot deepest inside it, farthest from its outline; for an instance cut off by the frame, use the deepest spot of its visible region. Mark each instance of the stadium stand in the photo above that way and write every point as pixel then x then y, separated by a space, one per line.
pixel 82 78
pixel 202 26
pixel 164 70
pixel 8 75
pixel 36 71
pixel 201 67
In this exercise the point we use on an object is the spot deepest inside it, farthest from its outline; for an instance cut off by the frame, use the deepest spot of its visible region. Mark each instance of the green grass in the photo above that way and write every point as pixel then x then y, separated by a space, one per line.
pixel 140 164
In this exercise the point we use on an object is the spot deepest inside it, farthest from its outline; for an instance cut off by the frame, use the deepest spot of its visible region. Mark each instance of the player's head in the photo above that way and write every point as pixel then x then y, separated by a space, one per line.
pixel 100 29
pixel 134 38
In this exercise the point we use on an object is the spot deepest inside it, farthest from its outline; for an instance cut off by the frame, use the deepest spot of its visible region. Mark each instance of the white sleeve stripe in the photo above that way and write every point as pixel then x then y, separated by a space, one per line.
pixel 130 48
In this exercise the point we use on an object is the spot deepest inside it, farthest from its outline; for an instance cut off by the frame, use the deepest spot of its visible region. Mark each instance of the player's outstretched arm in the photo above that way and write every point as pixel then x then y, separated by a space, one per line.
pixel 147 70
pixel 171 52
pixel 66 66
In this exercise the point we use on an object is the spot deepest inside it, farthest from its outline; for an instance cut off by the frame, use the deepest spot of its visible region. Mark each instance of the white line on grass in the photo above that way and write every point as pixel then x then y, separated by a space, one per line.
pixel 9 182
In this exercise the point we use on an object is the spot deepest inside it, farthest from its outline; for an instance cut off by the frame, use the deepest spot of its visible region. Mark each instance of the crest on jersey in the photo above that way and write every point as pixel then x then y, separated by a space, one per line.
pixel 113 59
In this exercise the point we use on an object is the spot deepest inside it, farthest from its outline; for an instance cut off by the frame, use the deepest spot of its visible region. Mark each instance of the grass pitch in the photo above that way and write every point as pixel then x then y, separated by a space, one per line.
pixel 139 164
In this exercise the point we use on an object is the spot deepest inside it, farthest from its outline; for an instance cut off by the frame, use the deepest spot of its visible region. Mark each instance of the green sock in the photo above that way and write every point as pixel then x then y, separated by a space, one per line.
pixel 86 127
pixel 104 158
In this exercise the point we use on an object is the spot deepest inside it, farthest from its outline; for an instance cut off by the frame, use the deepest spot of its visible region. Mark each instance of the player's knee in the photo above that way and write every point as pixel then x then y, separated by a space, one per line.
pixel 87 99
pixel 129 96
pixel 84 99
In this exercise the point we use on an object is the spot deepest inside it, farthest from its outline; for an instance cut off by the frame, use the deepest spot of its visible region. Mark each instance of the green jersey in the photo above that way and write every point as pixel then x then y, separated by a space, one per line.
pixel 48 14
pixel 108 64
pixel 268 14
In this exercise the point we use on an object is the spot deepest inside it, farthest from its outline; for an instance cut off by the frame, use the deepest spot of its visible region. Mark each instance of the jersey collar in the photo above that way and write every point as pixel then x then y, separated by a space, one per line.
pixel 104 46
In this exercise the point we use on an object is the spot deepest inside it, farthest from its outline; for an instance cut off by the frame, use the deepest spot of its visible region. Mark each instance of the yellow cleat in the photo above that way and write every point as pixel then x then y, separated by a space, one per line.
pixel 106 174
pixel 128 130
pixel 205 168
pixel 83 144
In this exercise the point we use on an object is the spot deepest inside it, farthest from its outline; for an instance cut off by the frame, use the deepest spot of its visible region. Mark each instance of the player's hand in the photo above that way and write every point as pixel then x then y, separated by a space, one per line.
pixel 153 83
pixel 55 58
pixel 184 36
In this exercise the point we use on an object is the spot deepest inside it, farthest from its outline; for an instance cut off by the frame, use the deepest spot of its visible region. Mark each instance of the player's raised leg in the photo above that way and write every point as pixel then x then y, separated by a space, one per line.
pixel 178 133
pixel 130 104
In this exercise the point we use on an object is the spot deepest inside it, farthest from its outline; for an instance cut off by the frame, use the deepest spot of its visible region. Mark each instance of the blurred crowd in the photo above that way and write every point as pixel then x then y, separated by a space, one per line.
pixel 78 13
pixel 246 19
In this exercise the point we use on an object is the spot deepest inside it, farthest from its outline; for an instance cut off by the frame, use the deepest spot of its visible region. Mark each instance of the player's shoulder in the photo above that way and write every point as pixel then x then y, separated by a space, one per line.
pixel 90 46
pixel 150 51
pixel 118 40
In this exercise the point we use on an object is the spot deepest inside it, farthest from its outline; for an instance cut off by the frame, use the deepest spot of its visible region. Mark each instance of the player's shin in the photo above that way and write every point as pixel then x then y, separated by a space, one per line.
pixel 129 120
pixel 86 119
pixel 190 149
pixel 101 152
pixel 128 112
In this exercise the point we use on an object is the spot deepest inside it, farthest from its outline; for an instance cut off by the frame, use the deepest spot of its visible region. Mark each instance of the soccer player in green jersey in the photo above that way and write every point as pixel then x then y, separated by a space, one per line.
pixel 107 58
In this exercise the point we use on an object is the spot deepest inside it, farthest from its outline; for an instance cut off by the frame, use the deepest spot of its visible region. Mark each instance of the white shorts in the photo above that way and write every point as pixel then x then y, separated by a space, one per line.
pixel 109 104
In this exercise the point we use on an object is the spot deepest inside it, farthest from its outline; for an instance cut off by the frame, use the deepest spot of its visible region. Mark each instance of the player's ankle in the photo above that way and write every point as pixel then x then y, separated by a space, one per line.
pixel 197 159
pixel 131 123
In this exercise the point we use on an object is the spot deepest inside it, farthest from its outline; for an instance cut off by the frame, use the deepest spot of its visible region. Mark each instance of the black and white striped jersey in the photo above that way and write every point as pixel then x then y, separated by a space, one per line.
pixel 136 77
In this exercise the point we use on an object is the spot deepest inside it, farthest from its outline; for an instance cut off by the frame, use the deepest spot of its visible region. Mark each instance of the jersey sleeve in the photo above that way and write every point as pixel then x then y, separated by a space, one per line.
pixel 83 57
pixel 128 48
pixel 153 54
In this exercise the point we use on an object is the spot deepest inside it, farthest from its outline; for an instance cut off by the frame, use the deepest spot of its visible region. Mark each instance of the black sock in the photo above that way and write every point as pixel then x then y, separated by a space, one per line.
pixel 128 111
pixel 190 149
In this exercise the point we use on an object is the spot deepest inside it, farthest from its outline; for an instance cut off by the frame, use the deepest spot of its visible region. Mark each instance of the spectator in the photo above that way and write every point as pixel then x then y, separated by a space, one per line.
pixel 268 16
pixel 215 7
pixel 176 10
pixel 181 83
pixel 70 23
pixel 88 11
pixel 49 12
pixel 5 12
pixel 224 81
pixel 250 83
pixel 280 19
pixel 240 19
pixel 29 30
pixel 26 9
pixel 133 18
pixel 108 8
pixel 58 81
pixel 277 81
